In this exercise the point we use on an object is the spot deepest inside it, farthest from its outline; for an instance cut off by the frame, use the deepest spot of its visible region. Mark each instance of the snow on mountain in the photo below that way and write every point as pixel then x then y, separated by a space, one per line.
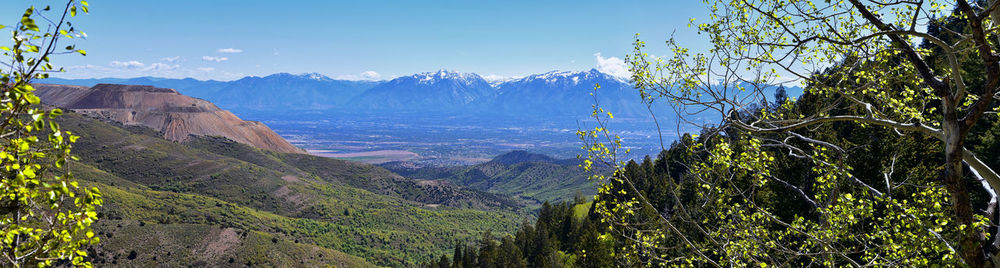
pixel 496 80
pixel 564 78
pixel 315 76
pixel 443 75
pixel 564 93
pixel 441 90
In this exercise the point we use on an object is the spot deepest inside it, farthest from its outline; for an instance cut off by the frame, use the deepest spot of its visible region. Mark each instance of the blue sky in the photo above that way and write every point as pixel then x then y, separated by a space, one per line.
pixel 225 40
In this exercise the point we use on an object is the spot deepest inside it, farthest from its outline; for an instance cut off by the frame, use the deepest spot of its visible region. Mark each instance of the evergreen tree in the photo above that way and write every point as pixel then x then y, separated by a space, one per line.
pixel 458 256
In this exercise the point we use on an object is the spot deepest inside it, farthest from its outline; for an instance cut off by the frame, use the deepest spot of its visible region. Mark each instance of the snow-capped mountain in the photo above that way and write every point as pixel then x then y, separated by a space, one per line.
pixel 565 93
pixel 435 91
pixel 570 78
pixel 469 79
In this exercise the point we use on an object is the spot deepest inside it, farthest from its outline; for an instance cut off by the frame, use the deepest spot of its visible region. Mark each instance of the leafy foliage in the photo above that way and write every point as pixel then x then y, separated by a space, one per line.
pixel 871 166
pixel 45 216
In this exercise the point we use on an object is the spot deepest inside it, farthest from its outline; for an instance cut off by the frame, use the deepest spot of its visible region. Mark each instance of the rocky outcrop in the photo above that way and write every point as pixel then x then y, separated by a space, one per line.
pixel 175 115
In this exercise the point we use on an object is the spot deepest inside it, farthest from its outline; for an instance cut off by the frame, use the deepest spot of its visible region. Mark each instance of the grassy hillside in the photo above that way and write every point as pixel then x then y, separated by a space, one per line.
pixel 518 173
pixel 293 205
pixel 364 176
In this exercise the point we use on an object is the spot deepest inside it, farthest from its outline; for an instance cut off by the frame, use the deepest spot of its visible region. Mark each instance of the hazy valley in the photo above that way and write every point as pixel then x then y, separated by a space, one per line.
pixel 460 119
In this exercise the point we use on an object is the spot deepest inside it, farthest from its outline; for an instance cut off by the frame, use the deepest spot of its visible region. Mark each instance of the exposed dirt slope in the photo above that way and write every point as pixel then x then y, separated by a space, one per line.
pixel 175 115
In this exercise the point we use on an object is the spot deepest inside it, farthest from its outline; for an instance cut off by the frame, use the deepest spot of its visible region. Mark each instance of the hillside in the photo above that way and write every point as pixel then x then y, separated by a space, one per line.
pixel 517 173
pixel 175 115
pixel 156 181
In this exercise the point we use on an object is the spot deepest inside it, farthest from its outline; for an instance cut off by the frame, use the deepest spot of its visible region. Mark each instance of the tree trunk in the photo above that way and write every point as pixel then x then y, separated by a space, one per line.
pixel 971 246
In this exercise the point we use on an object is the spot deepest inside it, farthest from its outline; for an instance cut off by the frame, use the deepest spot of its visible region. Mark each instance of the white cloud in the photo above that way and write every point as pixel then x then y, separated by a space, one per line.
pixel 612 65
pixel 206 69
pixel 370 75
pixel 161 67
pixel 173 59
pixel 213 58
pixel 366 75
pixel 127 64
pixel 229 50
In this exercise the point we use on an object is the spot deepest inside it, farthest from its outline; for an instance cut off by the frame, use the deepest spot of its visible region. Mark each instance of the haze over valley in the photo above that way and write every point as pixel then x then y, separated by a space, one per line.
pixel 434 118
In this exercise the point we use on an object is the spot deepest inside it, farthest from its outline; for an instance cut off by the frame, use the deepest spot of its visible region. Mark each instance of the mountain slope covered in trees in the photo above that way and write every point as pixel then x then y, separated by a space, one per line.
pixel 520 173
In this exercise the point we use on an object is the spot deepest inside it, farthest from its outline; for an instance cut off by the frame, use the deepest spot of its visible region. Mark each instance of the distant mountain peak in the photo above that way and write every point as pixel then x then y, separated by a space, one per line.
pixel 440 90
pixel 315 76
pixel 575 77
pixel 443 74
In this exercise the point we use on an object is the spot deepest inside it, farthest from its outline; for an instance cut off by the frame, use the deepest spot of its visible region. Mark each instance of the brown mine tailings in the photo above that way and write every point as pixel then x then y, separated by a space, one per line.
pixel 175 115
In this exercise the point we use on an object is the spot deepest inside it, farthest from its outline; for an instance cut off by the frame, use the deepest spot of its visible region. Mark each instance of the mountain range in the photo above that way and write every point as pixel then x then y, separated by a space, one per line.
pixel 540 95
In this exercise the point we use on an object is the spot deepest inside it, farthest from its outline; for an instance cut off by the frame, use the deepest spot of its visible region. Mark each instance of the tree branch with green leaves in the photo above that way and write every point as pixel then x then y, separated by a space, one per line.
pixel 864 68
pixel 45 216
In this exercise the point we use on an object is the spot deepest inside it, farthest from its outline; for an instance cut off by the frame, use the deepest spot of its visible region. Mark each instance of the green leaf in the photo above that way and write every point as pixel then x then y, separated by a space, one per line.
pixel 27 23
pixel 54 126
pixel 33 99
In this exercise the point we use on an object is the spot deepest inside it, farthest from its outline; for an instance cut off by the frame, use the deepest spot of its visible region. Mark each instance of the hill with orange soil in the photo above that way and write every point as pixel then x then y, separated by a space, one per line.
pixel 176 116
